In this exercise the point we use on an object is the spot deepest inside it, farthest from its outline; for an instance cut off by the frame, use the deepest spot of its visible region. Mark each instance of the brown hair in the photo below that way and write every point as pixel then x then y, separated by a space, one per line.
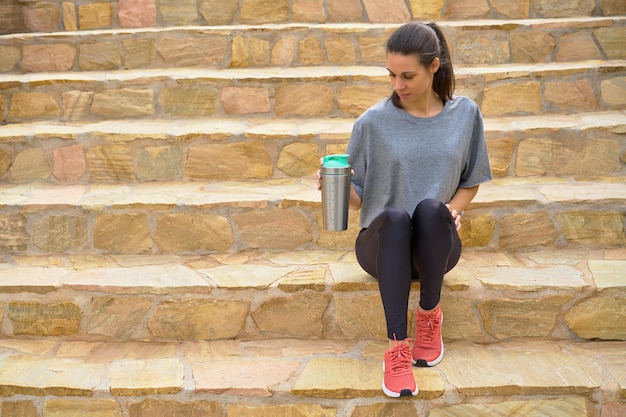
pixel 426 40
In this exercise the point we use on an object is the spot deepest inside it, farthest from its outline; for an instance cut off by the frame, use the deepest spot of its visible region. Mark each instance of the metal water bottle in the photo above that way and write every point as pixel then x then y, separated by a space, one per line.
pixel 335 173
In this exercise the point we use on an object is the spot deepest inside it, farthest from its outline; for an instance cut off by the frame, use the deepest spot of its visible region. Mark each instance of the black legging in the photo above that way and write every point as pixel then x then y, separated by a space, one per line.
pixel 397 247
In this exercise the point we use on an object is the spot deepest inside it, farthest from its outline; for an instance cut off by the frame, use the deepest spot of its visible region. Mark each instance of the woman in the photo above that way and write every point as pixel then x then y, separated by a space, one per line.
pixel 418 158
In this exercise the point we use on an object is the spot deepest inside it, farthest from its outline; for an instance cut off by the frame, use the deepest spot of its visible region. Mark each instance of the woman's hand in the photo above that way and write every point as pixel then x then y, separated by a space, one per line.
pixel 456 216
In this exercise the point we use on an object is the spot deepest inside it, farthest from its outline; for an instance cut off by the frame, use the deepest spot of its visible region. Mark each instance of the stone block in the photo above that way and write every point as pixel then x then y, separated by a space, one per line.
pixel 614 92
pixel 551 8
pixel 308 100
pixel 99 56
pixel 310 51
pixel 123 103
pixel 360 316
pixel 30 164
pixel 199 319
pixel 93 407
pixel 284 51
pixel 13 234
pixel 461 323
pixel 40 16
pixel 570 407
pixel 477 231
pixel 119 318
pixel 571 96
pixel 51 57
pixel 343 11
pixel 578 46
pixel 299 315
pixel 190 232
pixel 527 230
pixel 70 19
pixel 599 318
pixel 466 9
pixel 178 12
pixel 23 408
pixel 612 41
pixel 500 155
pixel 75 104
pixel 166 408
pixel 387 11
pixel 283 410
pixel 273 229
pixel 613 7
pixel 33 375
pixel 191 52
pixel 254 12
pixel 11 17
pixel 426 9
pixel 9 56
pixel 136 13
pixel 299 159
pixel 157 376
pixel 515 318
pixel 372 49
pixel 519 9
pixel 593 228
pixel 512 99
pixel 57 234
pixel 69 163
pixel 245 100
pixel 483 48
pixel 532 46
pixel 385 409
pixel 600 157
pixel 308 11
pixel 37 319
pixel 159 163
pixel 110 162
pixel 27 105
pixel 340 51
pixel 95 15
pixel 238 161
pixel 249 52
pixel 122 233
pixel 354 100
pixel 190 101
pixel 138 53
pixel 219 12
pixel 5 159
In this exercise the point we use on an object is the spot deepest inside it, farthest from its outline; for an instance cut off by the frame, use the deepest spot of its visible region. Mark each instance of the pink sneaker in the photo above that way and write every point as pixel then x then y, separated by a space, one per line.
pixel 398 380
pixel 428 346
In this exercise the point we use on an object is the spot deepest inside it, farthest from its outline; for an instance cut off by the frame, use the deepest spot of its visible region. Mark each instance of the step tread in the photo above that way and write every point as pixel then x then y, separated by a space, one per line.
pixel 326 128
pixel 318 73
pixel 296 371
pixel 474 24
pixel 529 273
pixel 523 190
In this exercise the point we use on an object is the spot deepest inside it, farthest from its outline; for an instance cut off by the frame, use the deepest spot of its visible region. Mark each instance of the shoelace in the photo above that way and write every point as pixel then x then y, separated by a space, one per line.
pixel 427 328
pixel 401 358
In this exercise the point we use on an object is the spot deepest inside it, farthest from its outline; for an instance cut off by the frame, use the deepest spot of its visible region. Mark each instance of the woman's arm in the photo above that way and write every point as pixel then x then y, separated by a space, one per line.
pixel 460 200
pixel 355 200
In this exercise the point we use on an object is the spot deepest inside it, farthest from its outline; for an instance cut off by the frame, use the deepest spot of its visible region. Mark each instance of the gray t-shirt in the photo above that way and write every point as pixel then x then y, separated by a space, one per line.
pixel 400 160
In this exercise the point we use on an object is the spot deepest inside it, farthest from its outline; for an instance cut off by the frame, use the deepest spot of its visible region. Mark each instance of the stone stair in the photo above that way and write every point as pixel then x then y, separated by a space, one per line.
pixel 161 252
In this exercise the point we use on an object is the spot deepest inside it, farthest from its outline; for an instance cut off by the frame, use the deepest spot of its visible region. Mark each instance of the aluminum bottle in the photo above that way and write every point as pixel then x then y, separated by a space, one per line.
pixel 335 173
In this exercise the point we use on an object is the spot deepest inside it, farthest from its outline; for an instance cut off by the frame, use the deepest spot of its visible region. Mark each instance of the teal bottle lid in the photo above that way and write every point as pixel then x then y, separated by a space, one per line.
pixel 336 161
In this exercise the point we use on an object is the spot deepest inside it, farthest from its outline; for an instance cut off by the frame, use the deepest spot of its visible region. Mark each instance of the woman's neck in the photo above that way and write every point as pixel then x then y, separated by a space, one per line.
pixel 428 106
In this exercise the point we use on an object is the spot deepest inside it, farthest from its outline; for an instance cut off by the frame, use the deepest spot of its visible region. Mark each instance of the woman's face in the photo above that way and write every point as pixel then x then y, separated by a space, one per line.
pixel 410 79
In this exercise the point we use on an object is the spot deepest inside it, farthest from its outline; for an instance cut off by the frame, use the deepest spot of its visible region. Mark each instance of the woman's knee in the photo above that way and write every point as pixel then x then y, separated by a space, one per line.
pixel 431 212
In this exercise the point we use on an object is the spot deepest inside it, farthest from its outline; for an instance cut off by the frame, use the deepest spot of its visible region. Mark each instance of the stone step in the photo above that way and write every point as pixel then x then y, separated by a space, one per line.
pixel 489 297
pixel 473 42
pixel 225 216
pixel 503 90
pixel 560 145
pixel 281 378
pixel 77 15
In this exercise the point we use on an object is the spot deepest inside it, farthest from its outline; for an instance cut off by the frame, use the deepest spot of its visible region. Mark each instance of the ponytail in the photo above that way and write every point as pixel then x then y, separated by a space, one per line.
pixel 427 41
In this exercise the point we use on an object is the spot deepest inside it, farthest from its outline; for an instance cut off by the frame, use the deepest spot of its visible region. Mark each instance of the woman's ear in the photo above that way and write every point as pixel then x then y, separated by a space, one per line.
pixel 434 67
